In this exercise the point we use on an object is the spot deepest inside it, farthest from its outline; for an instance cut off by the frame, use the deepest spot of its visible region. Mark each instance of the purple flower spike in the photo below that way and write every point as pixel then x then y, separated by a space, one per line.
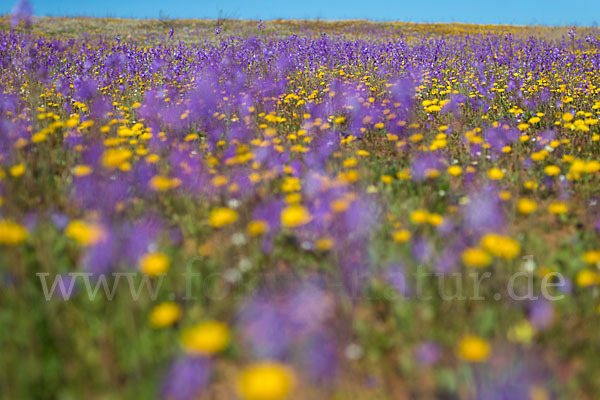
pixel 186 378
pixel 22 12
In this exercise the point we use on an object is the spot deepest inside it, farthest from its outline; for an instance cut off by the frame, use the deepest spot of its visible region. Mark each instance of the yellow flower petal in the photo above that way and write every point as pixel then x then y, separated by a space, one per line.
pixel 266 380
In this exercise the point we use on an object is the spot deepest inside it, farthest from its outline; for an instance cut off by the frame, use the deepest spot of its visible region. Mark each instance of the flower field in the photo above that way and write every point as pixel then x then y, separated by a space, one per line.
pixel 298 210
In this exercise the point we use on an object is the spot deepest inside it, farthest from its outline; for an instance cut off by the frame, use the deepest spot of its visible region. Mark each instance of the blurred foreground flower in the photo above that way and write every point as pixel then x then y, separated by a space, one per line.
pixel 12 233
pixel 474 349
pixel 84 233
pixel 476 257
pixel 206 338
pixel 154 264
pixel 266 380
pixel 186 378
pixel 501 246
pixel 22 12
pixel 586 277
pixel 526 206
pixel 558 208
pixel 16 171
pixel 165 314
pixel 591 257
pixel 294 216
pixel 222 216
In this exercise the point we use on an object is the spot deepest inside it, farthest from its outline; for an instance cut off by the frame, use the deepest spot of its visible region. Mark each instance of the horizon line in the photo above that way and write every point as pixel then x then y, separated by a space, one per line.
pixel 594 24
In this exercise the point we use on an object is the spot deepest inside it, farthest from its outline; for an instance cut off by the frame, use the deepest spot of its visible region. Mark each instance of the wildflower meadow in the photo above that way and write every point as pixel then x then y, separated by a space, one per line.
pixel 290 209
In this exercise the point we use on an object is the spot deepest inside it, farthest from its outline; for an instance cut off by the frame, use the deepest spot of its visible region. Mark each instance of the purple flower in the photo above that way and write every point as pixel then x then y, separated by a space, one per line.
pixel 186 378
pixel 424 164
pixel 59 220
pixel 101 258
pixel 449 257
pixel 263 325
pixel 309 308
pixel 511 376
pixel 395 276
pixel 484 213
pixel 428 353
pixel 273 323
pixel 22 12
pixel 320 358
pixel 422 249
pixel 541 313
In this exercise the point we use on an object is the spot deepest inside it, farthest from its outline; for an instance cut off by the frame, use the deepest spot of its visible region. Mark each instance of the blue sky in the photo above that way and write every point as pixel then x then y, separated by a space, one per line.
pixel 544 12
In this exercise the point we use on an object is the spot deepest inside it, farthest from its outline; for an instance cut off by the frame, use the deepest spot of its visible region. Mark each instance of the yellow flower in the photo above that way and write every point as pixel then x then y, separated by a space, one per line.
pixel 339 205
pixel 291 184
pixel 522 332
pixel 387 179
pixel 206 338
pixel 552 170
pixel 567 117
pixel 152 158
pixel 82 170
pixel 11 233
pixel 504 195
pixel 191 136
pixel 350 162
pixel 419 217
pixel 266 380
pixel 222 216
pixel 293 198
pixel 154 264
pixel 114 158
pixel 165 314
pixel 591 257
pixel 324 243
pixel 257 227
pixel 401 236
pixel 295 215
pixel 495 174
pixel 557 208
pixel 474 349
pixel 435 219
pixel 476 257
pixel 38 137
pixel 17 170
pixel 592 167
pixel 526 206
pixel 403 175
pixel 501 246
pixel 454 170
pixel 530 185
pixel 417 137
pixel 586 277
pixel 84 233
pixel 160 183
pixel 432 173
